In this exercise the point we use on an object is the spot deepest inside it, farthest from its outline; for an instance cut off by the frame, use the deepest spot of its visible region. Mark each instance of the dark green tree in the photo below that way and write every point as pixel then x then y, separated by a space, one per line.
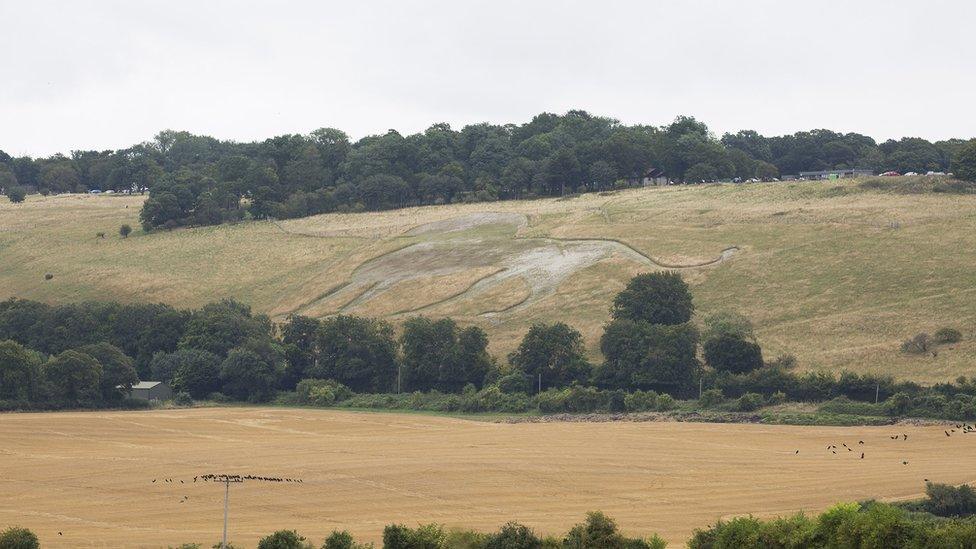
pixel 964 165
pixel 73 377
pixel 731 353
pixel 284 539
pixel 197 372
pixel 245 375
pixel 655 298
pixel 513 536
pixel 19 369
pixel 221 326
pixel 358 352
pixel 643 356
pixel 16 194
pixel 118 370
pixel 553 355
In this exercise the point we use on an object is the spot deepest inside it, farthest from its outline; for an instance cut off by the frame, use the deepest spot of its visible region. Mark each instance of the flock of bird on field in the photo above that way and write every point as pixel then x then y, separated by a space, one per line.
pixel 225 478
pixel 964 428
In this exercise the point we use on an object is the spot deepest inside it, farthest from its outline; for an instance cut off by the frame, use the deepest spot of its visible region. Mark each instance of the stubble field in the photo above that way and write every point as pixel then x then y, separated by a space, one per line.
pixel 89 475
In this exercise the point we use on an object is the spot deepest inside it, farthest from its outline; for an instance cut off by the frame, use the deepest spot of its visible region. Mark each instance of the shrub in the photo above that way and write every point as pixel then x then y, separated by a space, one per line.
pixel 730 353
pixel 641 401
pixel 183 399
pixel 18 538
pixel 948 335
pixel 948 501
pixel 665 403
pixel 513 536
pixel 844 405
pixel 322 392
pixel 515 382
pixel 749 402
pixel 343 540
pixel 124 230
pixel 16 194
pixel 284 539
pixel 711 398
pixel 917 344
pixel 427 536
pixel 219 398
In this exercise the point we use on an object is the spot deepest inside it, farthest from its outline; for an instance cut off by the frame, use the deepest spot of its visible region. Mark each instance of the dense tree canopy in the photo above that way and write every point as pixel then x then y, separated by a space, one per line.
pixel 439 355
pixel 641 355
pixel 965 165
pixel 199 180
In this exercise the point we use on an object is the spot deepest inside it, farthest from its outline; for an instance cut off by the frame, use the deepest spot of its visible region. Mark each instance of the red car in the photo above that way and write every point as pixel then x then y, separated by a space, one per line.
pixel 890 174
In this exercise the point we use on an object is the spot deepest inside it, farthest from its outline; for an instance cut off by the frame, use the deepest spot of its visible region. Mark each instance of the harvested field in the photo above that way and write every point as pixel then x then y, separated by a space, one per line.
pixel 89 474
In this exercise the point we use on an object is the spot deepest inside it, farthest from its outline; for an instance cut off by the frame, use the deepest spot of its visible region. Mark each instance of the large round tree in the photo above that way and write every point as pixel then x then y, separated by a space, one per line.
pixel 655 298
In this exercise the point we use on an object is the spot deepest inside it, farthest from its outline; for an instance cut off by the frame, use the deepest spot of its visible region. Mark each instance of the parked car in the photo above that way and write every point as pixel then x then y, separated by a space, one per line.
pixel 890 174
pixel 95 191
pixel 911 173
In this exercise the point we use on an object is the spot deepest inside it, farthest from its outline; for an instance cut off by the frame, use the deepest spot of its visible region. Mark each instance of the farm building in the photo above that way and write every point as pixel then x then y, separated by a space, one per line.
pixel 651 177
pixel 151 390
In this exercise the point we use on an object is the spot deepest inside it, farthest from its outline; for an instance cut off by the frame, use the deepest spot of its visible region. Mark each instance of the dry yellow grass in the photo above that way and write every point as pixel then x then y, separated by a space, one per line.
pixel 832 273
pixel 89 475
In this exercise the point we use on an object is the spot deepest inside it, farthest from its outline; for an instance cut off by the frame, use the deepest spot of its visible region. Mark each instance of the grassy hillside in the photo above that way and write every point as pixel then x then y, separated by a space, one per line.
pixel 837 273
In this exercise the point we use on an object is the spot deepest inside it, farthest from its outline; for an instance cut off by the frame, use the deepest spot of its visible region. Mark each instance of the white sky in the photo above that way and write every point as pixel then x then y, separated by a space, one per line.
pixel 99 75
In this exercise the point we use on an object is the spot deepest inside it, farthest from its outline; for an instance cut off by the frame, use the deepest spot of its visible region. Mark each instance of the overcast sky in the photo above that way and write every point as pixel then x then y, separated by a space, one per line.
pixel 102 75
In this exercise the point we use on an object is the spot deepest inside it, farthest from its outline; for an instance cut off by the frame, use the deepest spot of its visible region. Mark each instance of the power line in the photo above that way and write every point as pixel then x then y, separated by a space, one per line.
pixel 227 480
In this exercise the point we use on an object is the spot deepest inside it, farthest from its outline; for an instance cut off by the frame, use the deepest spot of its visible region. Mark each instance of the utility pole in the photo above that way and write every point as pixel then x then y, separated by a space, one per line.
pixel 877 390
pixel 540 383
pixel 227 480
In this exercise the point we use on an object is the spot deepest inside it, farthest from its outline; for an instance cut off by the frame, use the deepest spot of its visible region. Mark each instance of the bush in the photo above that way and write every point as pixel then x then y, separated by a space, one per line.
pixel 343 540
pixel 322 392
pixel 948 501
pixel 749 402
pixel 948 335
pixel 219 398
pixel 427 536
pixel 515 382
pixel 16 194
pixel 284 539
pixel 844 405
pixel 18 538
pixel 665 403
pixel 711 398
pixel 730 353
pixel 918 344
pixel 124 230
pixel 641 401
pixel 513 536
pixel 183 399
